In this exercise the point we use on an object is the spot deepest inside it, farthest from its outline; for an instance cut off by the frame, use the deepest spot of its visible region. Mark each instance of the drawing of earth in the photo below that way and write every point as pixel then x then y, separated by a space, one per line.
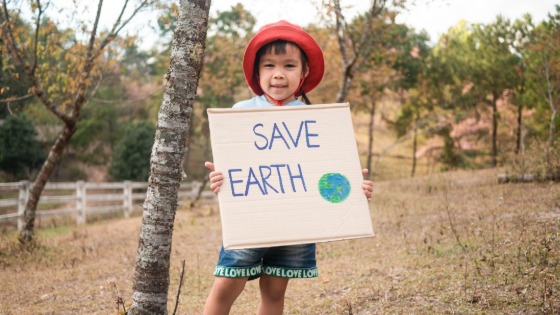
pixel 334 187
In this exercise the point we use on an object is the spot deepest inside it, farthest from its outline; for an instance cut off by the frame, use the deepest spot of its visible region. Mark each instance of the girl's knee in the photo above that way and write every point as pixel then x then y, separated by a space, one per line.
pixel 273 288
pixel 228 287
pixel 224 292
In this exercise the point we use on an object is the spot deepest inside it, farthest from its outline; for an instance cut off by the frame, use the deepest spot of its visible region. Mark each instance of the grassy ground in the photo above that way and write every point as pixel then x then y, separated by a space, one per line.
pixel 456 243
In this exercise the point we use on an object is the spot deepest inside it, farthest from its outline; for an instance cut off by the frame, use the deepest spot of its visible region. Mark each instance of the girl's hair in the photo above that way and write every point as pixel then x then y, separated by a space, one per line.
pixel 280 48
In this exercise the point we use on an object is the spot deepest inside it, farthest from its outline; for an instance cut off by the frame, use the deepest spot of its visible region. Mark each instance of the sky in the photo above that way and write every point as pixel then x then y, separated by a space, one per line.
pixel 434 16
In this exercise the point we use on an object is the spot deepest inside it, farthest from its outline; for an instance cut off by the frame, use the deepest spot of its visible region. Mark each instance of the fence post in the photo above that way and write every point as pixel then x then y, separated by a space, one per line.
pixel 22 200
pixel 195 187
pixel 127 198
pixel 80 202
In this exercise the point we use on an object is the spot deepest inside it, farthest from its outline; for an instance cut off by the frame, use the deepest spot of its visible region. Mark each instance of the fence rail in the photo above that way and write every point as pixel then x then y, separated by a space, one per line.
pixel 83 198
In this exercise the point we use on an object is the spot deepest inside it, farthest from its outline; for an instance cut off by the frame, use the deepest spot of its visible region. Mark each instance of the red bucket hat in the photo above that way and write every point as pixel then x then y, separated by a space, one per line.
pixel 292 33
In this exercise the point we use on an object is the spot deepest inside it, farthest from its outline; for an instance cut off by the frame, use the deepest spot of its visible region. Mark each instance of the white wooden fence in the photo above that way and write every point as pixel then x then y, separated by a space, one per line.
pixel 86 198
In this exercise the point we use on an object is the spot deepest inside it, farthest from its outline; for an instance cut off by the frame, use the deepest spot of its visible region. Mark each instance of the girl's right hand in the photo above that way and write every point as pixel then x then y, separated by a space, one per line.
pixel 216 177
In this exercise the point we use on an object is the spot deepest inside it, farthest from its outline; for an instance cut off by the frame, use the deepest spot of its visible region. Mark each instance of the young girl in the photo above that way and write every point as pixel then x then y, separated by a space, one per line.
pixel 281 63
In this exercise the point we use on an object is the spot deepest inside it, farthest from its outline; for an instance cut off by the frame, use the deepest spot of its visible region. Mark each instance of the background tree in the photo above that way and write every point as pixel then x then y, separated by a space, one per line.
pixel 449 67
pixel 131 156
pixel 522 31
pixel 482 68
pixel 413 84
pixel 375 72
pixel 151 275
pixel 20 152
pixel 351 47
pixel 544 67
pixel 39 58
pixel 494 73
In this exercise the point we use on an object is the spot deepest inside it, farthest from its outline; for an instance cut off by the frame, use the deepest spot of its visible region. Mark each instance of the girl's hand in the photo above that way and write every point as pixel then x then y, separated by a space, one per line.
pixel 367 185
pixel 216 177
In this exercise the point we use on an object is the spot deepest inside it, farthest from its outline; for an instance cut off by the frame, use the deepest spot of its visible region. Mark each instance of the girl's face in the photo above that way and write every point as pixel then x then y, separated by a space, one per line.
pixel 280 74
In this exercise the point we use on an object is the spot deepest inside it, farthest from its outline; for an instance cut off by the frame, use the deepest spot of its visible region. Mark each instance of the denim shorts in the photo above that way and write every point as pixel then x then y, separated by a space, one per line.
pixel 293 261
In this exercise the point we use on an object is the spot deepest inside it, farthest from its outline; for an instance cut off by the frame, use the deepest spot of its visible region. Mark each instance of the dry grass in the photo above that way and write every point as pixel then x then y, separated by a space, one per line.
pixel 456 243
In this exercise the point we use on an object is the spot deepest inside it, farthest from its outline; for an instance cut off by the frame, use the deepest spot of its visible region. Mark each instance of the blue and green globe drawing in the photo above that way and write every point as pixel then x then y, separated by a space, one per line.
pixel 334 187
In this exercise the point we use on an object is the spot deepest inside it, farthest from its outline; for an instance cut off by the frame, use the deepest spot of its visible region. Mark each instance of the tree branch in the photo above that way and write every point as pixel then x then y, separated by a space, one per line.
pixel 9 100
pixel 117 27
pixel 36 40
pixel 144 3
pixel 373 12
pixel 88 65
pixel 94 33
pixel 340 34
pixel 94 91
pixel 93 54
pixel 34 80
pixel 8 27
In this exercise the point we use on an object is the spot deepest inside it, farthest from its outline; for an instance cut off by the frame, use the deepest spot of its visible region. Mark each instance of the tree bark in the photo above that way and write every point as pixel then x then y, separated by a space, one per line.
pixel 495 129
pixel 519 128
pixel 151 276
pixel 370 135
pixel 27 232
pixel 415 142
pixel 519 131
pixel 551 128
pixel 550 99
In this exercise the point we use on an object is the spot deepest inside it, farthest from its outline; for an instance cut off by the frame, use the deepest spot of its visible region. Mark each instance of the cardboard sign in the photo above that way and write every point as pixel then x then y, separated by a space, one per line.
pixel 292 175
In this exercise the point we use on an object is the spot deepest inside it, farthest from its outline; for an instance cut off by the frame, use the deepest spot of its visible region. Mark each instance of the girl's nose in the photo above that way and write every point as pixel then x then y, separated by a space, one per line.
pixel 278 75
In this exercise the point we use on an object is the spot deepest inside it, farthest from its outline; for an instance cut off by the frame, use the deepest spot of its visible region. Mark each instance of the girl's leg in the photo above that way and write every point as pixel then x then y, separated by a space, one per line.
pixel 273 290
pixel 224 292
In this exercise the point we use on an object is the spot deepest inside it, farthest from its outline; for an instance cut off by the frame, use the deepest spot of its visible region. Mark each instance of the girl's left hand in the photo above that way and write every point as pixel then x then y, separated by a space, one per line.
pixel 367 185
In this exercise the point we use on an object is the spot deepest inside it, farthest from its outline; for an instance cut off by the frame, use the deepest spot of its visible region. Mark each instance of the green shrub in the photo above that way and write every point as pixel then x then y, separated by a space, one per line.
pixel 20 151
pixel 131 157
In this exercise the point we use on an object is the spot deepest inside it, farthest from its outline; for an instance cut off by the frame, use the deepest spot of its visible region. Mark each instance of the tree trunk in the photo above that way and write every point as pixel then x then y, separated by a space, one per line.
pixel 494 130
pixel 551 128
pixel 549 98
pixel 345 84
pixel 370 135
pixel 27 232
pixel 415 143
pixel 151 276
pixel 519 128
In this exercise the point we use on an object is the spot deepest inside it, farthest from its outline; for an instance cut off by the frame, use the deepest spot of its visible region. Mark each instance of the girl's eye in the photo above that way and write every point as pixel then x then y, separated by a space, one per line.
pixel 290 65
pixel 268 65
